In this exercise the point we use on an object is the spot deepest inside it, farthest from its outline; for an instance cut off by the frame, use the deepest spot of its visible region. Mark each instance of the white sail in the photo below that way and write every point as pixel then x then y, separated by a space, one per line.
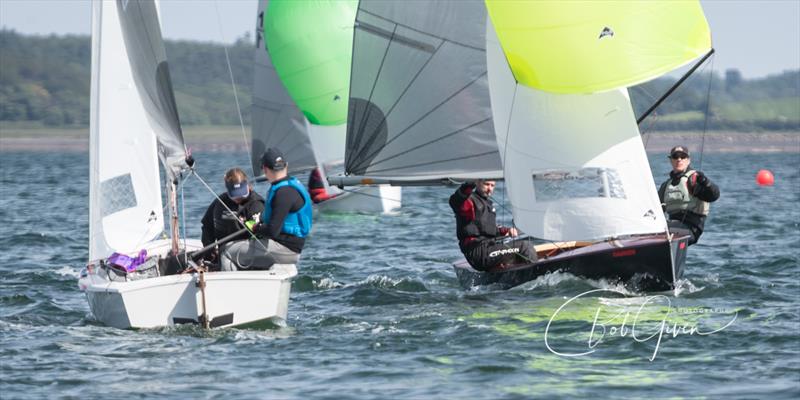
pixel 574 165
pixel 125 208
pixel 276 120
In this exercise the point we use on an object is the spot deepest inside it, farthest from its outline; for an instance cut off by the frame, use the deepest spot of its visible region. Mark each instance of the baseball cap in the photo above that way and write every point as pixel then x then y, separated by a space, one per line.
pixel 273 159
pixel 679 150
pixel 237 189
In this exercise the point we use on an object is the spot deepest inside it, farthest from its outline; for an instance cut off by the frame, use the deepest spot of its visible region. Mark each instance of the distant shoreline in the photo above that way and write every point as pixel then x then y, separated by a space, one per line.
pixel 230 138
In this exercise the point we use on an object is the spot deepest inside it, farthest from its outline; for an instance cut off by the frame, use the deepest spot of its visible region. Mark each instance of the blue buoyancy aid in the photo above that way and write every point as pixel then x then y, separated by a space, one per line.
pixel 296 223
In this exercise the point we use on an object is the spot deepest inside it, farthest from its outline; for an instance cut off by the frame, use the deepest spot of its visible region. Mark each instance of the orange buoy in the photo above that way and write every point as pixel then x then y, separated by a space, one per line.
pixel 765 178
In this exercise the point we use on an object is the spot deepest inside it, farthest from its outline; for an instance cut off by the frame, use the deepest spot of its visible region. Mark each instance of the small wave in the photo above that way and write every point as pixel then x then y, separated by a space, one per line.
pixel 68 271
pixel 384 282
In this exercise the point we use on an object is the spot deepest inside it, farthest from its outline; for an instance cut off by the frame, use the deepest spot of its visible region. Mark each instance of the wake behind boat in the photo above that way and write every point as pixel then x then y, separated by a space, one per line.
pixel 133 279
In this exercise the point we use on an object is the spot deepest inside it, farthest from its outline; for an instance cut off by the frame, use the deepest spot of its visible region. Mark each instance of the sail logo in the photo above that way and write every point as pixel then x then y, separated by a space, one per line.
pixel 606 32
pixel 649 214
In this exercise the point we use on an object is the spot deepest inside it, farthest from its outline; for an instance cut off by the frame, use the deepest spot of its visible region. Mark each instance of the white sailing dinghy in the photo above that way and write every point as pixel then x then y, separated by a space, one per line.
pixel 573 161
pixel 134 124
pixel 304 114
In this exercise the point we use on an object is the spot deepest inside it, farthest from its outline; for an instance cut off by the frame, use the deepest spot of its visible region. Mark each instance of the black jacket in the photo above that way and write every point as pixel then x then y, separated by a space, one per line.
pixel 286 200
pixel 218 222
pixel 704 190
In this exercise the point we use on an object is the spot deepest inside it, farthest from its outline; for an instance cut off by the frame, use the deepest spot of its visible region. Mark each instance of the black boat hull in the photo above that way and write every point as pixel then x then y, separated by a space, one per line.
pixel 647 263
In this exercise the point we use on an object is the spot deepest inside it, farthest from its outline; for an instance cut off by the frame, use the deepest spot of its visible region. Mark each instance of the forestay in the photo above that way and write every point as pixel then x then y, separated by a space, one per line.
pixel 419 101
pixel 276 121
pixel 132 113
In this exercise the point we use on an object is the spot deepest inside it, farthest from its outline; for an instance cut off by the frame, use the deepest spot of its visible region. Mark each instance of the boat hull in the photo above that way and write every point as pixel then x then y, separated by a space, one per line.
pixel 231 298
pixel 648 263
pixel 368 199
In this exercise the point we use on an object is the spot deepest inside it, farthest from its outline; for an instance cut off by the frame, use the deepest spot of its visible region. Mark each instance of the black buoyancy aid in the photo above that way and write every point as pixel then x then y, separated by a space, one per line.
pixel 485 223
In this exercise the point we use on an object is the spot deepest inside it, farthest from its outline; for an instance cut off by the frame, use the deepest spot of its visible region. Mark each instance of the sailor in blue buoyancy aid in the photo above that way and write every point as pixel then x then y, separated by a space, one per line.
pixel 686 195
pixel 282 227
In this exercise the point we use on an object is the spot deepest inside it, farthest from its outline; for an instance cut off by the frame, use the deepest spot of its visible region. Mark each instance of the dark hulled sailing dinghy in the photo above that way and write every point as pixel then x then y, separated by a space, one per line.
pixel 560 119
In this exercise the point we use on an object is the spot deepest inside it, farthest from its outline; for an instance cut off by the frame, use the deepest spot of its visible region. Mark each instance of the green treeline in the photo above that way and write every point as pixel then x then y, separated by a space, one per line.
pixel 44 80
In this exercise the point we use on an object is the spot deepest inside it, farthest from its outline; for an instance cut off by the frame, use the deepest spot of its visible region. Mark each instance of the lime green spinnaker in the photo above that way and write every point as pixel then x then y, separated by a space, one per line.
pixel 311 44
pixel 594 46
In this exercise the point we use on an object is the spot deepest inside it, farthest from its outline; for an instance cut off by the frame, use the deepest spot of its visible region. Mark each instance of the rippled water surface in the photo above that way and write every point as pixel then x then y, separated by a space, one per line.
pixel 376 311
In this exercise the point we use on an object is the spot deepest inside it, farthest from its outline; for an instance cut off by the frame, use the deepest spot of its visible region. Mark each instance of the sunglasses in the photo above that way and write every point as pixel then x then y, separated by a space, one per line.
pixel 679 157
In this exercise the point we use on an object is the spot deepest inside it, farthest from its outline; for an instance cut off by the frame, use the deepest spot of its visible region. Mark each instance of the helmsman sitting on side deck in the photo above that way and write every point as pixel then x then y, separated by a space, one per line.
pixel 479 236
pixel 283 226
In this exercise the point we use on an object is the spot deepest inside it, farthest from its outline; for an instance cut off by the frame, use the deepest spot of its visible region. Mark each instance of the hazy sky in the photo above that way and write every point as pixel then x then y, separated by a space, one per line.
pixel 757 37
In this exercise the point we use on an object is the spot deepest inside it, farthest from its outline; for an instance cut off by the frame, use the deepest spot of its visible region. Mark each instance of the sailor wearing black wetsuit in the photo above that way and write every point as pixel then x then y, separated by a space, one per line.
pixel 478 232
pixel 283 226
pixel 686 195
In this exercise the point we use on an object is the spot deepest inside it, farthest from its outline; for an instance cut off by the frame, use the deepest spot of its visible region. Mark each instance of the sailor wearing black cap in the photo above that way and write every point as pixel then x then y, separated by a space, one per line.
pixel 686 195
pixel 283 226
pixel 239 198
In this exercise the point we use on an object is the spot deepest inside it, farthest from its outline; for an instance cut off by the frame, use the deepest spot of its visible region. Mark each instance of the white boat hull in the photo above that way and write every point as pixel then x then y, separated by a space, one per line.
pixel 368 199
pixel 231 298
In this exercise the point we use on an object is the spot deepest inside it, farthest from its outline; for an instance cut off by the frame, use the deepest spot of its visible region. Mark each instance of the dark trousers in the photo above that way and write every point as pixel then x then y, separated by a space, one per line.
pixel 683 228
pixel 492 253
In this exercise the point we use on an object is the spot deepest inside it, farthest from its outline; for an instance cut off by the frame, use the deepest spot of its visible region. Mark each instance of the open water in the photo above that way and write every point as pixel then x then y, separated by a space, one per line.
pixel 376 311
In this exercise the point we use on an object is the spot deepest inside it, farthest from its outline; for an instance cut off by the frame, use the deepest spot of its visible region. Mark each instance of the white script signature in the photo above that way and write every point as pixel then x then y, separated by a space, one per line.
pixel 609 327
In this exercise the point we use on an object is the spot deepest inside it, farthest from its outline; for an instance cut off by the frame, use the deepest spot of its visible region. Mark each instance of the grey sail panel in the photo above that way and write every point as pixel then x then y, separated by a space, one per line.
pixel 142 35
pixel 419 96
pixel 276 120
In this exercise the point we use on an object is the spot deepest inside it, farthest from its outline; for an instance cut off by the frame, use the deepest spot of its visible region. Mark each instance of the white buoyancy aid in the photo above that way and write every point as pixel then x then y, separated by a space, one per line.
pixel 679 198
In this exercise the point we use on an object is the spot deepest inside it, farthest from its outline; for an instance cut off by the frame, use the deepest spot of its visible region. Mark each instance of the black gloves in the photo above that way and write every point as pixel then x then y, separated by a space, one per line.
pixel 701 178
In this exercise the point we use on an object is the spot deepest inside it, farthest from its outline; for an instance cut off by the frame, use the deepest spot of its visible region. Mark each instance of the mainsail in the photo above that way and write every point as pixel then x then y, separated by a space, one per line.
pixel 574 164
pixel 142 36
pixel 276 120
pixel 133 118
pixel 419 100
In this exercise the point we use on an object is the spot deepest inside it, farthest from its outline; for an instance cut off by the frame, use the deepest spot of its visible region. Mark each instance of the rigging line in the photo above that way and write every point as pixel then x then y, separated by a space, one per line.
pixel 707 116
pixel 431 142
pixel 396 102
pixel 457 92
pixel 422 32
pixel 434 162
pixel 365 117
pixel 210 190
pixel 233 81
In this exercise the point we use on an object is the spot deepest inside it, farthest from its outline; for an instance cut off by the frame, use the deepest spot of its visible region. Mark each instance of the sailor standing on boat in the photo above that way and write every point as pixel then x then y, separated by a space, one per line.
pixel 282 227
pixel 478 232
pixel 218 221
pixel 686 195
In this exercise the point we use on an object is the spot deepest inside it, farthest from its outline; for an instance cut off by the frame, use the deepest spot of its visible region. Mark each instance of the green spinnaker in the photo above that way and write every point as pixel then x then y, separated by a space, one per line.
pixel 594 46
pixel 310 43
